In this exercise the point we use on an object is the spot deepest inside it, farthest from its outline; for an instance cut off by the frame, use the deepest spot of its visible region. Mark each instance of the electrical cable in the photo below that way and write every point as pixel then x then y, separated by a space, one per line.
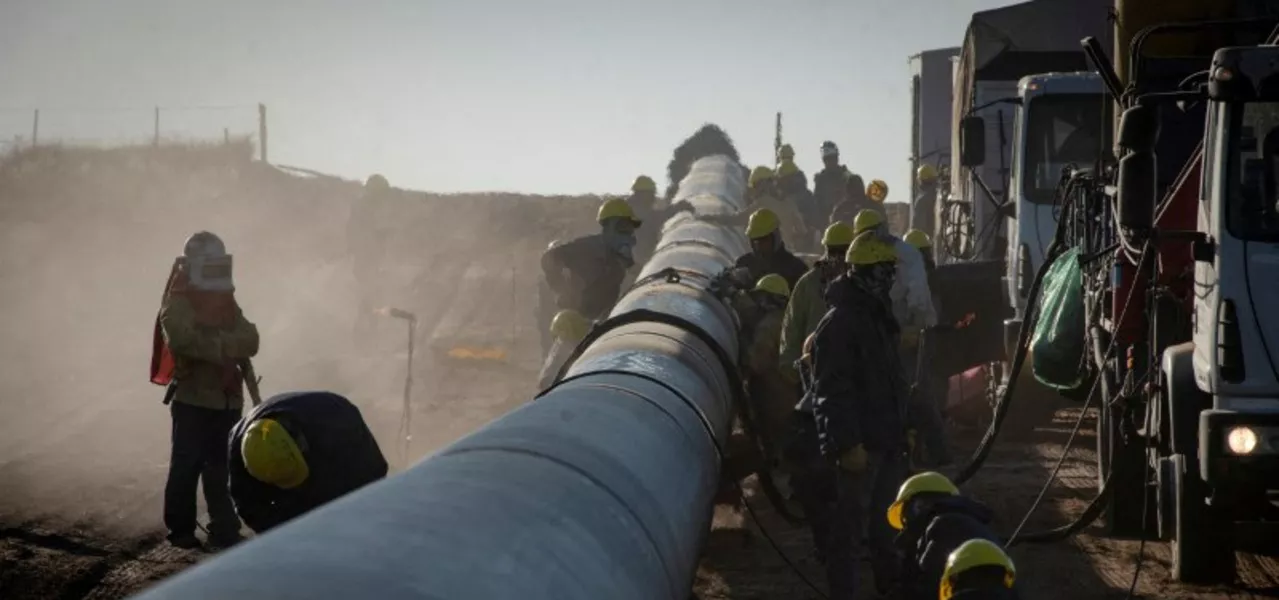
pixel 776 547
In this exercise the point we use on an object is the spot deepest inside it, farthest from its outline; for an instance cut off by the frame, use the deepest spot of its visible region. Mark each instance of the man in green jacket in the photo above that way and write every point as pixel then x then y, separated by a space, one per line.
pixel 807 303
pixel 209 342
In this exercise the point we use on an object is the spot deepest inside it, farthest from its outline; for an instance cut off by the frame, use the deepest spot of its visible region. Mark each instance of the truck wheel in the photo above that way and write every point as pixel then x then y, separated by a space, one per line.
pixel 1202 544
pixel 1123 462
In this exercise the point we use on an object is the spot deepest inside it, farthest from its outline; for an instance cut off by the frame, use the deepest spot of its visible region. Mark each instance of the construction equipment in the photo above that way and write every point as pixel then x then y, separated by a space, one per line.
pixel 601 488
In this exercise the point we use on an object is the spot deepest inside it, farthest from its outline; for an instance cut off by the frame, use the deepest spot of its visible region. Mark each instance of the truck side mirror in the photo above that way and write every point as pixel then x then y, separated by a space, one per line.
pixel 972 141
pixel 1139 128
pixel 1137 190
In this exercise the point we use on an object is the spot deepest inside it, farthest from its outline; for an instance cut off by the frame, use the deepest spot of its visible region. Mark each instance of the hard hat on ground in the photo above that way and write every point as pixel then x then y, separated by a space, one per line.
pixel 838 234
pixel 867 249
pixel 829 149
pixel 786 152
pixel 773 284
pixel 760 175
pixel 616 208
pixel 763 223
pixel 272 456
pixel 570 325
pixel 867 218
pixel 971 555
pixel 926 173
pixel 787 168
pixel 918 239
pixel 877 190
pixel 376 183
pixel 206 264
pixel 644 183
pixel 923 483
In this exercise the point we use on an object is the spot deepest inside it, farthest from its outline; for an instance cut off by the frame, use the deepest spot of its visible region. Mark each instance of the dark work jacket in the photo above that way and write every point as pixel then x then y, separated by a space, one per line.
pixel 595 275
pixel 828 188
pixel 935 527
pixel 858 384
pixel 340 453
pixel 998 593
pixel 782 262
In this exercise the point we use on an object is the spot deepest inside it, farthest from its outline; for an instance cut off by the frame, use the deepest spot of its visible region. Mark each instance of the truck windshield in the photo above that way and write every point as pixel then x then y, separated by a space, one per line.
pixel 1252 205
pixel 1060 130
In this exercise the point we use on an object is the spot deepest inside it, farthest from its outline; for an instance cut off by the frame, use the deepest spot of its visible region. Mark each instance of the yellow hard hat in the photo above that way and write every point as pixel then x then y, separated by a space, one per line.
pixel 923 483
pixel 877 190
pixel 926 173
pixel 868 250
pixel 644 183
pixel 763 222
pixel 918 239
pixel 616 208
pixel 376 183
pixel 786 152
pixel 838 234
pixel 272 456
pixel 570 325
pixel 867 218
pixel 760 174
pixel 971 555
pixel 774 284
pixel 787 168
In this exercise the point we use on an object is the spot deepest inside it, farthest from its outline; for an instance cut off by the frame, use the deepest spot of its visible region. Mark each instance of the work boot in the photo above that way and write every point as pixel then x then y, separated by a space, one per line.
pixel 186 541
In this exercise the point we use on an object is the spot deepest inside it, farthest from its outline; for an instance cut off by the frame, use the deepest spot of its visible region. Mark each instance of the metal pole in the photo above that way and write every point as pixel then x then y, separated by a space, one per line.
pixel 35 129
pixel 262 131
pixel 155 137
pixel 601 488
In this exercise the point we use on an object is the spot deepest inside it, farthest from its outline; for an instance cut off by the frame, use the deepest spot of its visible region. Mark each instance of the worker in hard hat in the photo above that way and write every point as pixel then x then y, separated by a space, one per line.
pixel 368 231
pixel 979 570
pixel 296 452
pixel 877 191
pixel 567 329
pixel 861 409
pixel 933 520
pixel 202 356
pixel 792 187
pixel 768 252
pixel 586 274
pixel 923 210
pixel 854 201
pixel 830 182
pixel 808 302
pixel 916 349
pixel 643 201
pixel 911 297
pixel 763 194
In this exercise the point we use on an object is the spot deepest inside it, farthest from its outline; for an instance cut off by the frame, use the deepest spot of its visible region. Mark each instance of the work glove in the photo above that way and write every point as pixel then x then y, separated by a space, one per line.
pixel 742 277
pixel 854 459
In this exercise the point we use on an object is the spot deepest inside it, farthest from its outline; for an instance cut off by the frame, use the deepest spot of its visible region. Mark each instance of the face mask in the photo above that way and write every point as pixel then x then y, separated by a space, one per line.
pixel 621 245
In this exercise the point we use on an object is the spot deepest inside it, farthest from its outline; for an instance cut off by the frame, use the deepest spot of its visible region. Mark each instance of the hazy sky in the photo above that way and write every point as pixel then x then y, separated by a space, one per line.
pixel 538 96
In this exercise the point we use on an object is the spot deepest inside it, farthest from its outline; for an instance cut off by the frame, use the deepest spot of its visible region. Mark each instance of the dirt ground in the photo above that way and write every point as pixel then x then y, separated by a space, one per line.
pixel 86 242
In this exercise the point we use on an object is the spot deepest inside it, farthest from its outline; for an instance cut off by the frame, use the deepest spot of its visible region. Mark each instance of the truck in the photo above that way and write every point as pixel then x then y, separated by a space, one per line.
pixel 931 83
pixel 1178 242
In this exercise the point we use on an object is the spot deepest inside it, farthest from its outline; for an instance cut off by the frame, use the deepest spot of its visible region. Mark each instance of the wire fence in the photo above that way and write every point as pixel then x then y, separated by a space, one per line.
pixel 98 126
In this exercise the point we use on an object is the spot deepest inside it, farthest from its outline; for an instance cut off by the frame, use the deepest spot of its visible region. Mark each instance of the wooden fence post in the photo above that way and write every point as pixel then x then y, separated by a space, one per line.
pixel 35 129
pixel 262 131
pixel 155 138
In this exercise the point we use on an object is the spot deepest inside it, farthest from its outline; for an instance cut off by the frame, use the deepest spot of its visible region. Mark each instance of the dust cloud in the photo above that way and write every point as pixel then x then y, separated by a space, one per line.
pixel 87 238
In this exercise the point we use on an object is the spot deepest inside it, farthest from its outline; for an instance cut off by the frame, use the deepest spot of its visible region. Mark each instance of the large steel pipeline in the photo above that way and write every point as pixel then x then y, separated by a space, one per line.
pixel 600 488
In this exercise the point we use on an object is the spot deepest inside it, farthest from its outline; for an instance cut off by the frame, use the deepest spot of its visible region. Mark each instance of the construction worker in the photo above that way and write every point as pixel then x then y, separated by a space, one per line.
pixel 912 300
pixel 916 354
pixel 979 570
pixel 877 191
pixel 768 252
pixel 830 182
pixel 568 329
pixel 792 186
pixel 368 229
pixel 922 211
pixel 206 342
pixel 808 302
pixel 296 452
pixel 772 397
pixel 643 201
pixel 933 520
pixel 853 202
pixel 586 274
pixel 762 194
pixel 861 411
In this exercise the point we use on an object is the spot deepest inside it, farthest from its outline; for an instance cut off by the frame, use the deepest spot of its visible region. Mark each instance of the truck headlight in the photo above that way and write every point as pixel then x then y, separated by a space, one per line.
pixel 1241 440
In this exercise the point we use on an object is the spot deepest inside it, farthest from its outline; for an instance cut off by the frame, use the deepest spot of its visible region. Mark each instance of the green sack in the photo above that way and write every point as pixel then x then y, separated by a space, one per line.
pixel 1058 345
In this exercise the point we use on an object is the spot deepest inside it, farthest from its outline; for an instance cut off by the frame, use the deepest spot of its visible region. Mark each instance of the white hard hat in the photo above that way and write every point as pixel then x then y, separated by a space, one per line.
pixel 206 263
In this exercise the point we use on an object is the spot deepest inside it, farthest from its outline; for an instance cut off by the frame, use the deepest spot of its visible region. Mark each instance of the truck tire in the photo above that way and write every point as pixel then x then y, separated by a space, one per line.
pixel 1124 464
pixel 1203 542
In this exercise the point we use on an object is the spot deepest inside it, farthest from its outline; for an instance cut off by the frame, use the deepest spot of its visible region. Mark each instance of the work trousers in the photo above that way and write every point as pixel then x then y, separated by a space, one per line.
pixel 925 403
pixel 860 513
pixel 199 454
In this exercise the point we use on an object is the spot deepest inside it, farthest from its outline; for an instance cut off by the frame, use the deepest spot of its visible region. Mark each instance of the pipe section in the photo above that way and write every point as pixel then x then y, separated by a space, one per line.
pixel 601 488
